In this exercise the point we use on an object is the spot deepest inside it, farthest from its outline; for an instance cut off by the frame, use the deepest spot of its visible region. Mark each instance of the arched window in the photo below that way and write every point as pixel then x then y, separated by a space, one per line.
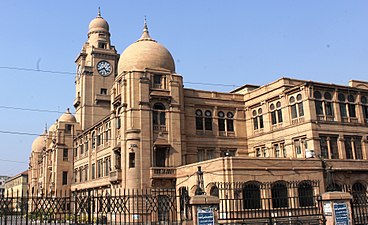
pixel 221 121
pixel 203 122
pixel 251 195
pixel 159 117
pixel 276 113
pixel 279 194
pixel 214 191
pixel 230 121
pixel 359 192
pixel 305 194
pixel 199 119
pixel 257 119
pixel 297 109
pixel 347 107
pixel 208 120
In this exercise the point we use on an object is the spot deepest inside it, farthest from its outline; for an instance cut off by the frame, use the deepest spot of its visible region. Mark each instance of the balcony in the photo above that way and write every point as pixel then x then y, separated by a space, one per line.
pixel 325 118
pixel 115 176
pixel 162 173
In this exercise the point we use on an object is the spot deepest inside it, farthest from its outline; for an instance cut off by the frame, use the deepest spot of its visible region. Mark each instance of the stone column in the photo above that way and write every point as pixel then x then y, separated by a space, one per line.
pixel 337 208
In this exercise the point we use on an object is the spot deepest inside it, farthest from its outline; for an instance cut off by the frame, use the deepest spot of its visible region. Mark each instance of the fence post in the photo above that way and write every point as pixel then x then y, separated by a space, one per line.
pixel 337 208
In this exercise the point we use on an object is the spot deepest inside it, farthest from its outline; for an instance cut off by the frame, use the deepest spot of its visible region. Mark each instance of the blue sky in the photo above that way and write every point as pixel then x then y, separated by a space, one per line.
pixel 215 42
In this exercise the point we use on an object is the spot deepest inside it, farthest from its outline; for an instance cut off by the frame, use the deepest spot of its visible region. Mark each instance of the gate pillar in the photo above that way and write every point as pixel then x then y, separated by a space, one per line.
pixel 337 208
pixel 204 209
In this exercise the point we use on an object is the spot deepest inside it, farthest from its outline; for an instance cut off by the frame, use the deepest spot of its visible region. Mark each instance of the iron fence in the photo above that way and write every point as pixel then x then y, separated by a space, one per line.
pixel 148 206
pixel 270 203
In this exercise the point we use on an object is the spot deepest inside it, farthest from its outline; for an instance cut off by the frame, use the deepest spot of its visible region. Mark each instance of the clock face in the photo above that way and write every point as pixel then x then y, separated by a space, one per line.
pixel 104 68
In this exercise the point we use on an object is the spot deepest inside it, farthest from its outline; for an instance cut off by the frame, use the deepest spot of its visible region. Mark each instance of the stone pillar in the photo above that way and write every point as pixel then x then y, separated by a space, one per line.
pixel 204 209
pixel 337 208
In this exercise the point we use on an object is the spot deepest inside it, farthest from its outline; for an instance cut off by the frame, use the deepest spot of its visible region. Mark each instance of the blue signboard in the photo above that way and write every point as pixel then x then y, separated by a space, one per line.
pixel 341 213
pixel 205 216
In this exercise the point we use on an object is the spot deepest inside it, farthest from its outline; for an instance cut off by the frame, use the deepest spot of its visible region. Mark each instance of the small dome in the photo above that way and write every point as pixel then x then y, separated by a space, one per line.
pixel 67 117
pixel 52 128
pixel 146 53
pixel 98 24
pixel 38 144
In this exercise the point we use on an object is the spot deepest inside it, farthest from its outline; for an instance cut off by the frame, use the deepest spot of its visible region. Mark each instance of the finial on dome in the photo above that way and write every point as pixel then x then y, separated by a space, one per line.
pixel 67 110
pixel 145 35
pixel 99 12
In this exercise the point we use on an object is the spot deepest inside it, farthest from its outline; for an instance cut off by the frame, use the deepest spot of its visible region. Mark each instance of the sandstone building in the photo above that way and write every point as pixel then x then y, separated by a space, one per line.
pixel 137 126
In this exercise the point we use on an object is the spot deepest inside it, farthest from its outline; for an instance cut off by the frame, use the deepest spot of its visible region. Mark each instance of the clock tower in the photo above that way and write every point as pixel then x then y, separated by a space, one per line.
pixel 95 75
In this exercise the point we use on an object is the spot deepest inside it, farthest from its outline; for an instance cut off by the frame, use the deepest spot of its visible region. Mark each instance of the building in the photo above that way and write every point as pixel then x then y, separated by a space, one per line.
pixel 17 186
pixel 2 185
pixel 136 126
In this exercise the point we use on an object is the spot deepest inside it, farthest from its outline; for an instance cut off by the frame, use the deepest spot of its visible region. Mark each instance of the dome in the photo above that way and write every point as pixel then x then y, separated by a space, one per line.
pixel 146 53
pixel 67 117
pixel 52 128
pixel 98 24
pixel 38 144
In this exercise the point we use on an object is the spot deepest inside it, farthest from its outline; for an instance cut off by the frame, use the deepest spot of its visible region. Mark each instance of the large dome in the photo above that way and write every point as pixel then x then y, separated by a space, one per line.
pixel 67 117
pixel 146 53
pixel 38 144
pixel 98 24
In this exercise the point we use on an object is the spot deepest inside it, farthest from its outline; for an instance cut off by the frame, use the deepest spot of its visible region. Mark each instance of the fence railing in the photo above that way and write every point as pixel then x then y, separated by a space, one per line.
pixel 148 206
pixel 269 203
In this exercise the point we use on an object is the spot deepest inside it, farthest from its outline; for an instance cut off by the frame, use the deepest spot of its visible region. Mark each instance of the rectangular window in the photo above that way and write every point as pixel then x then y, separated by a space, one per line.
pixel 273 117
pixel 80 174
pixel 210 154
pixel 65 178
pixel 319 107
pixel 201 155
pixel 107 165
pixel 131 160
pixel 279 115
pixel 365 112
pixel 199 123
pixel 324 147
pixel 348 148
pixel 261 122
pixel 352 110
pixel 221 124
pixel 294 114
pixel 68 128
pixel 102 45
pixel 157 81
pixel 208 123
pixel 86 172
pixel 99 168
pixel 343 111
pixel 255 123
pixel 329 108
pixel 301 109
pixel 65 154
pixel 103 91
pixel 93 171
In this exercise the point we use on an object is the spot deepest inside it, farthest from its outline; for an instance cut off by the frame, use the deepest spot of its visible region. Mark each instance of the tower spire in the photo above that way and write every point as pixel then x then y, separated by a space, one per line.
pixel 99 12
pixel 145 35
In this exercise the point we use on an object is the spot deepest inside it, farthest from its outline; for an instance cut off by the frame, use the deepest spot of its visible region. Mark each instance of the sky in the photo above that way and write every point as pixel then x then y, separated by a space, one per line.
pixel 217 45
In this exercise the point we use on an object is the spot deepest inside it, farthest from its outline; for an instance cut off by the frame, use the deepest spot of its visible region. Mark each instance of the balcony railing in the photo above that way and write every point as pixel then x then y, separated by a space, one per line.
pixel 159 127
pixel 325 118
pixel 162 172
